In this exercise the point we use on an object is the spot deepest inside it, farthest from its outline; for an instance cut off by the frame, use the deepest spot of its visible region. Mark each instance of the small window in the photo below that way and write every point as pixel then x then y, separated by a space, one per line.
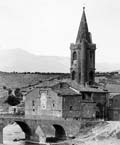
pixel 33 110
pixel 73 75
pixel 83 97
pixel 71 108
pixel 33 103
pixel 53 105
pixel 61 85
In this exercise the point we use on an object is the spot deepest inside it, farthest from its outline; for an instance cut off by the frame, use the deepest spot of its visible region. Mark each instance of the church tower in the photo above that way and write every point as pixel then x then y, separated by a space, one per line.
pixel 83 55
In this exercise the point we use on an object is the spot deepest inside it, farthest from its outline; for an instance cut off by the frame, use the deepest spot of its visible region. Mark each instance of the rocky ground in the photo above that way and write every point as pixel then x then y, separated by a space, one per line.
pixel 105 133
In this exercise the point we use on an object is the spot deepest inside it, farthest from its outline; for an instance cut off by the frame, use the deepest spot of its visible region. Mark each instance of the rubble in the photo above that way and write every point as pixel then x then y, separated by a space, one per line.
pixel 102 134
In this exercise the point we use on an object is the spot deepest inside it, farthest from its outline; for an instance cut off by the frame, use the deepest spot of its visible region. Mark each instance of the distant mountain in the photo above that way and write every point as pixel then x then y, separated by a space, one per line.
pixel 23 61
pixel 108 67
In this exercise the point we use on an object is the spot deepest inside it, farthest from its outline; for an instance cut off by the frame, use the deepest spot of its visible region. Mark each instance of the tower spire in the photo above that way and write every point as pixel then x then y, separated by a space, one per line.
pixel 83 29
pixel 83 55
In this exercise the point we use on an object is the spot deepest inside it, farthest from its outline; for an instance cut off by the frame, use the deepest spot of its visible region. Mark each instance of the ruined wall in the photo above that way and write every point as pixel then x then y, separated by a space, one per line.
pixel 71 107
pixel 77 108
pixel 116 102
pixel 114 109
pixel 88 110
pixel 99 97
pixel 101 100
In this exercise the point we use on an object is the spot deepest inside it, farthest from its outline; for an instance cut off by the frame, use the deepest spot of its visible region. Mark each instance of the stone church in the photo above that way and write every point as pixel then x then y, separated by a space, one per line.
pixel 83 55
pixel 75 98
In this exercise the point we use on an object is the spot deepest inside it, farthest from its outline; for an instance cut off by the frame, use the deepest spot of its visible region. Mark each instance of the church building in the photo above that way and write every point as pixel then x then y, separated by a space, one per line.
pixel 83 55
pixel 75 98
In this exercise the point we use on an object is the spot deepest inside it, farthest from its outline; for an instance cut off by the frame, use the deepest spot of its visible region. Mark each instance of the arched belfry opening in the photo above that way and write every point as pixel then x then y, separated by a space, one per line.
pixel 73 75
pixel 59 132
pixel 74 55
pixel 91 76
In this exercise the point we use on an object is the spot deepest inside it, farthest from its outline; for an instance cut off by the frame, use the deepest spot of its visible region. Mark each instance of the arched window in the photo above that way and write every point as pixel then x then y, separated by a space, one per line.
pixel 73 75
pixel 74 55
pixel 91 76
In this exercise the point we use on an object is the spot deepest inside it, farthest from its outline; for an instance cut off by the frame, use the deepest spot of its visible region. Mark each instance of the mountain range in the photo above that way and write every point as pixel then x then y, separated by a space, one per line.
pixel 20 60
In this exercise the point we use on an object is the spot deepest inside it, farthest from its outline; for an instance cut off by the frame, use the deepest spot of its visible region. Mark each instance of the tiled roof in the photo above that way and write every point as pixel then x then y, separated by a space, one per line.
pixel 84 89
pixel 72 88
pixel 95 90
pixel 46 84
pixel 62 90
pixel 66 91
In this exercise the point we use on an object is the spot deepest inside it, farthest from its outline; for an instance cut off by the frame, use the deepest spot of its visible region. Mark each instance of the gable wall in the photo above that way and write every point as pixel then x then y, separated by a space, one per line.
pixel 49 107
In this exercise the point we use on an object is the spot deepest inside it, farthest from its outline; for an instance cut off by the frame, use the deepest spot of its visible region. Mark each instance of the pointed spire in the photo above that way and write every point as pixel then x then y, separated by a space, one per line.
pixel 83 29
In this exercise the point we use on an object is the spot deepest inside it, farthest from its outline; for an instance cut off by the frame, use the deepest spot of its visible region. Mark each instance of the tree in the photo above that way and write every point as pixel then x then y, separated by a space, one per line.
pixel 14 99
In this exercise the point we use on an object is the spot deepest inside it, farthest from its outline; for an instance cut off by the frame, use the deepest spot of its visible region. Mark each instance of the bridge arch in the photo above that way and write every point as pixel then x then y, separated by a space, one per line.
pixel 25 128
pixel 6 129
pixel 59 132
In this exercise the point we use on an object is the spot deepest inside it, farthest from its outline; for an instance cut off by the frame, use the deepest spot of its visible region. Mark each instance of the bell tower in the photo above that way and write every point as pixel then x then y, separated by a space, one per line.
pixel 83 55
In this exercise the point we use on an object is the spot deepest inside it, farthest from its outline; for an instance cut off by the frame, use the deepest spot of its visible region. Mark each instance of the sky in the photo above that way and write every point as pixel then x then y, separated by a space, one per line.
pixel 47 27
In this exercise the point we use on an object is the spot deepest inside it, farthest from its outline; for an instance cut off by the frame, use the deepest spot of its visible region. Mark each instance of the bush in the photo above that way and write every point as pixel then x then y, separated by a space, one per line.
pixel 12 100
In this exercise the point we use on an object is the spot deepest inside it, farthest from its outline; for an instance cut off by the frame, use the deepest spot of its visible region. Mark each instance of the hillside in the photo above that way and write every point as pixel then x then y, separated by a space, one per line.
pixel 110 82
pixel 14 80
pixel 101 134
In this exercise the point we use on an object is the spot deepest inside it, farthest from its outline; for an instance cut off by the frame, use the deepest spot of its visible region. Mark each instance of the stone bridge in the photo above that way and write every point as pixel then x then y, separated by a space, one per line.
pixel 42 130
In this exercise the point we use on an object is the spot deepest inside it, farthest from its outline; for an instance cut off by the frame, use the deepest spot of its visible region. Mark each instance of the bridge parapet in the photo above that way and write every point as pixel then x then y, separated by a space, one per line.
pixel 41 129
